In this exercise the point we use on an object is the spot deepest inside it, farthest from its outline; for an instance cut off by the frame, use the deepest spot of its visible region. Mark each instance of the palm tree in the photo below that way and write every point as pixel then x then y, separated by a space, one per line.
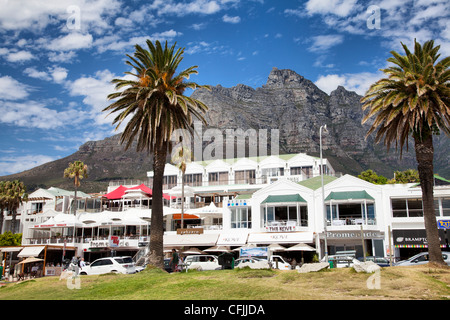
pixel 2 203
pixel 153 105
pixel 77 171
pixel 181 157
pixel 414 100
pixel 15 194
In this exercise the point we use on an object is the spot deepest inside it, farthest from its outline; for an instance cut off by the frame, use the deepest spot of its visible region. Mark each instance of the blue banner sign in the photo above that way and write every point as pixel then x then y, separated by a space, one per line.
pixel 254 252
pixel 443 224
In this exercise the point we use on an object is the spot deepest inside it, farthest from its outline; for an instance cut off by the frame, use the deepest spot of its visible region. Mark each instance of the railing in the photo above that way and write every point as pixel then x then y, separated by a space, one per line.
pixel 351 222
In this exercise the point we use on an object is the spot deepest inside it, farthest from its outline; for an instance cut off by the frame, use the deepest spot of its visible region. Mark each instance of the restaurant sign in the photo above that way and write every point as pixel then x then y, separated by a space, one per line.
pixel 443 224
pixel 280 229
pixel 353 235
pixel 414 238
pixel 190 231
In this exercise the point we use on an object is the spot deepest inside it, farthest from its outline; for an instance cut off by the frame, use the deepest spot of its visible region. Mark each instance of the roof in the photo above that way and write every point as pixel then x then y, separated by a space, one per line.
pixel 316 182
pixel 284 198
pixel 120 192
pixel 348 195
pixel 61 192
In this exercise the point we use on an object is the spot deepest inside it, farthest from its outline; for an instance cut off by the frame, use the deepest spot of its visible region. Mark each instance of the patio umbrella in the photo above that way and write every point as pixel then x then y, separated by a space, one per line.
pixel 300 247
pixel 276 247
pixel 193 251
pixel 218 249
pixel 248 245
pixel 30 260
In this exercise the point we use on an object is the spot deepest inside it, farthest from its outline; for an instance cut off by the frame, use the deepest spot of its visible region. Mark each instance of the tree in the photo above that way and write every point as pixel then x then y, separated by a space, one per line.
pixel 373 177
pixel 414 100
pixel 77 171
pixel 181 157
pixel 407 176
pixel 15 194
pixel 2 203
pixel 153 105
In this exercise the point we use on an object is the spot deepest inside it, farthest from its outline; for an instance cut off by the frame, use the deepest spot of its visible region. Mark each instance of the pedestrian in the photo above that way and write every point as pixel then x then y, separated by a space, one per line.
pixel 82 263
pixel 174 260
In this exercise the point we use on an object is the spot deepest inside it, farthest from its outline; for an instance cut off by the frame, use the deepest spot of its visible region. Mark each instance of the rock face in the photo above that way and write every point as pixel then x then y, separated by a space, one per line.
pixel 287 102
pixel 297 108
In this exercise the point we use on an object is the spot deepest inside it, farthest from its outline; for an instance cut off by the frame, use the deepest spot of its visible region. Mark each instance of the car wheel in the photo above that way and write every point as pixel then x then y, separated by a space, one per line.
pixel 83 273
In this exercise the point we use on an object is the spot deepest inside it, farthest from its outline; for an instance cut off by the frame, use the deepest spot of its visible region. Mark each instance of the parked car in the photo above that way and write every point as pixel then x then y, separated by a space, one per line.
pixel 252 263
pixel 202 262
pixel 381 261
pixel 277 262
pixel 422 258
pixel 123 265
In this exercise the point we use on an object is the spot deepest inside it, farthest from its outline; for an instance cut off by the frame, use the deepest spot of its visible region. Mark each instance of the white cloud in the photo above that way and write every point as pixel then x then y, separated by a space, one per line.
pixel 11 89
pixel 33 114
pixel 340 8
pixel 13 164
pixel 358 82
pixel 57 74
pixel 19 56
pixel 95 90
pixel 170 7
pixel 325 42
pixel 71 41
pixel 36 15
pixel 226 18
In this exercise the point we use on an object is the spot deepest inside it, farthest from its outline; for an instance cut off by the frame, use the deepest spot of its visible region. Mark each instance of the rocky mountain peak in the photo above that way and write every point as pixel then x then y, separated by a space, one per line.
pixel 284 78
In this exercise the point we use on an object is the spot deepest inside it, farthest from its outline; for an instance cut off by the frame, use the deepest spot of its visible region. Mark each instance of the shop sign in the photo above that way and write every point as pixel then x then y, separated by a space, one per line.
pixel 190 231
pixel 354 235
pixel 280 228
pixel 253 252
pixel 414 238
pixel 443 224
pixel 114 241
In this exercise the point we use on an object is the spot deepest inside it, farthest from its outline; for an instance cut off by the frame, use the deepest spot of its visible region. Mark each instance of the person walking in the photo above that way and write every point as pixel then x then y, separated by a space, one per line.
pixel 174 260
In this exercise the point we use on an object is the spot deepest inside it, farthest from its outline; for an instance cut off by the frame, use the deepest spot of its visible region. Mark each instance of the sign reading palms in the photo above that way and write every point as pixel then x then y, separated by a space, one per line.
pixel 77 171
pixel 414 99
pixel 153 105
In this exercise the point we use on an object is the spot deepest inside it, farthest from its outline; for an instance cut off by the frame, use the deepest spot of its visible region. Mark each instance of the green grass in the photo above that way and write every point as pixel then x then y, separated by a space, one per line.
pixel 239 284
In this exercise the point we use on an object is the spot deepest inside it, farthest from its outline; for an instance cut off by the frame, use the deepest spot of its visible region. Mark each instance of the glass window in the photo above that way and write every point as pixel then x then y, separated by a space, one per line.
pixel 241 217
pixel 445 207
pixel 399 208
pixel 415 207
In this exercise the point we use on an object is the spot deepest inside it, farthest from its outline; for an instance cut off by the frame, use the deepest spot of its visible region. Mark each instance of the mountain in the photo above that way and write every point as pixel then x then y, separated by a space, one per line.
pixel 287 102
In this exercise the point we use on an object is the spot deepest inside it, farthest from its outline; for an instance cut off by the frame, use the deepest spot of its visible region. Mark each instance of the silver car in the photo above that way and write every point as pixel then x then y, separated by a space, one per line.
pixel 422 258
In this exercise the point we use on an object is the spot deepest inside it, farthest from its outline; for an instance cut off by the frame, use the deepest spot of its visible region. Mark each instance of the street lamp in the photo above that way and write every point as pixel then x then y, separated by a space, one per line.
pixel 324 127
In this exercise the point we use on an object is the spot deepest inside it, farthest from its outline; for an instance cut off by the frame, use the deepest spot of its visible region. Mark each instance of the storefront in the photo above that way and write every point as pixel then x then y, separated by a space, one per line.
pixel 370 242
pixel 408 242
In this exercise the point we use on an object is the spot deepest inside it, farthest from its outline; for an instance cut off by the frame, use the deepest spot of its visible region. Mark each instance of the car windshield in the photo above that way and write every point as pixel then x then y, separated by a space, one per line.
pixel 124 260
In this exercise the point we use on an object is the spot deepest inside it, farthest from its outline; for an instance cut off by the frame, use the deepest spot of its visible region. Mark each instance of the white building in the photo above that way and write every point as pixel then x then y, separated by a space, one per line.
pixel 249 201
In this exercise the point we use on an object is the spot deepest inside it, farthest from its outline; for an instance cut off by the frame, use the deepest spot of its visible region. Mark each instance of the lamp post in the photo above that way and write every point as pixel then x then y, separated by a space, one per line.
pixel 324 127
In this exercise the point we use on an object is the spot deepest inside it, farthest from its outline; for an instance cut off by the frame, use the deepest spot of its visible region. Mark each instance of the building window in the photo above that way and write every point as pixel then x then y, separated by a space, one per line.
pixel 193 180
pixel 294 215
pixel 351 214
pixel 244 177
pixel 218 178
pixel 272 172
pixel 442 207
pixel 306 171
pixel 241 217
pixel 169 182
pixel 404 208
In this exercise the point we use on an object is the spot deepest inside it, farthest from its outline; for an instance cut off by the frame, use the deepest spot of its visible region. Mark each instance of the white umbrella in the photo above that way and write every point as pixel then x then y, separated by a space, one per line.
pixel 276 247
pixel 300 247
pixel 193 251
pixel 218 249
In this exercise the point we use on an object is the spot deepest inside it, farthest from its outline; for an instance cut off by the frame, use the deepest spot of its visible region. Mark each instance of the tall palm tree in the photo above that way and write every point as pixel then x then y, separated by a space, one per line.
pixel 77 171
pixel 414 100
pixel 15 195
pixel 153 105
pixel 181 156
pixel 2 203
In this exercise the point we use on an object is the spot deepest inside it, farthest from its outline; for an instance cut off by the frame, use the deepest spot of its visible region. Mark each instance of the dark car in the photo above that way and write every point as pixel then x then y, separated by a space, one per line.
pixel 167 265
pixel 382 262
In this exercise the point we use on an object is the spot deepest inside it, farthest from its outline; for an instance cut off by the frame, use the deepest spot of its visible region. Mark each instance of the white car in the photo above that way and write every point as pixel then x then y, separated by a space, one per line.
pixel 278 262
pixel 202 262
pixel 252 263
pixel 422 258
pixel 123 265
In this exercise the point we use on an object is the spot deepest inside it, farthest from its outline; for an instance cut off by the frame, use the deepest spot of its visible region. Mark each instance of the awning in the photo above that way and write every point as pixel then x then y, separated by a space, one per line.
pixel 177 216
pixel 10 249
pixel 280 237
pixel 284 198
pixel 349 195
pixel 31 251
pixel 232 239
pixel 176 240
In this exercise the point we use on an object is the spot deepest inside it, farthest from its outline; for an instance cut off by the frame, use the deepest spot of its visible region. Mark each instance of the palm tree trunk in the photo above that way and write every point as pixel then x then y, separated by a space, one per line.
pixel 424 155
pixel 156 256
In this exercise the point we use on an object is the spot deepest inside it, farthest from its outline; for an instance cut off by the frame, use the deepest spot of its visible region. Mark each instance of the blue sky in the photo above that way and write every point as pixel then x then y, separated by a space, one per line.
pixel 57 57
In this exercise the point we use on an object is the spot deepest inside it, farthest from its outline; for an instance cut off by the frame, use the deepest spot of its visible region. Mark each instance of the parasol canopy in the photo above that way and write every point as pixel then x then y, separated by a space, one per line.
pixel 30 260
pixel 300 247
